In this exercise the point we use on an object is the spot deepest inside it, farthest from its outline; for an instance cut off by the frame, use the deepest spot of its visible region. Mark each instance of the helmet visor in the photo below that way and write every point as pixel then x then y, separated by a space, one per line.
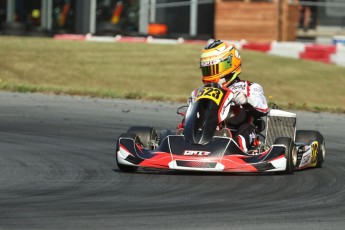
pixel 215 69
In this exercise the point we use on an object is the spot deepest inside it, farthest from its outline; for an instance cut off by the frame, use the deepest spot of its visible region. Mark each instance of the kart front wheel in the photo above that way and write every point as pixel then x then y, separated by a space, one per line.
pixel 163 134
pixel 309 136
pixel 122 167
pixel 290 153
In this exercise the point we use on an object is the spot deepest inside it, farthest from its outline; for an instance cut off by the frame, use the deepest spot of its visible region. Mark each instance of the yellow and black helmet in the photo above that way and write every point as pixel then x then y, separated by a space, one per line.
pixel 220 62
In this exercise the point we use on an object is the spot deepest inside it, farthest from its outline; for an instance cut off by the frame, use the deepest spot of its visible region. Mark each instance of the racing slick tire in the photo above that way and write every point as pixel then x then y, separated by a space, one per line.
pixel 147 135
pixel 308 136
pixel 125 168
pixel 163 134
pixel 290 153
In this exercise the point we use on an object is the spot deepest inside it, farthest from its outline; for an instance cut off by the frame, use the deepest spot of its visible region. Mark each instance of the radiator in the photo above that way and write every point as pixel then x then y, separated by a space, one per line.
pixel 280 124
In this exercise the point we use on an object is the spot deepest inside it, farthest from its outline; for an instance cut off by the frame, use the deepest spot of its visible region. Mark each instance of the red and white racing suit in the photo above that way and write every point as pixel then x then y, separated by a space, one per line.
pixel 241 117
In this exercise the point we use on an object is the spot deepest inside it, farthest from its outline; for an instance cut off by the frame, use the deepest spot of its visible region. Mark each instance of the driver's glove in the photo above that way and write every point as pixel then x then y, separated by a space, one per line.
pixel 240 98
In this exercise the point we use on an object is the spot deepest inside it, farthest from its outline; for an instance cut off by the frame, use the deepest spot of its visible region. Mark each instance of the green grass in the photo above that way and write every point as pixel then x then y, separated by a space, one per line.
pixel 157 72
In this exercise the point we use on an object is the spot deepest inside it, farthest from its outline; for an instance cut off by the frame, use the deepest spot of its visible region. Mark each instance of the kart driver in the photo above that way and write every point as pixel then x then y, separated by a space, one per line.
pixel 220 63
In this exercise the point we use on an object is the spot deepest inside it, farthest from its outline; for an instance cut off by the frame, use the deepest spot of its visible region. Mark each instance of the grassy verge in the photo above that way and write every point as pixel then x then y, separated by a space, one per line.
pixel 157 72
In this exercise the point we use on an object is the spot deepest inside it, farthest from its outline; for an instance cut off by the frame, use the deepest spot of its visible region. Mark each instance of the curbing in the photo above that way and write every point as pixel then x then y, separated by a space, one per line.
pixel 326 53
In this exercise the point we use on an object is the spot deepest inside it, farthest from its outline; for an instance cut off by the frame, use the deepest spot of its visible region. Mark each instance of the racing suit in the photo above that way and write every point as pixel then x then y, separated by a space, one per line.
pixel 241 117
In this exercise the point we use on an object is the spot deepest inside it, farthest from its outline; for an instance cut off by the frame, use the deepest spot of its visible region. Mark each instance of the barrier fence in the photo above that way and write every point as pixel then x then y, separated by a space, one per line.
pixel 319 19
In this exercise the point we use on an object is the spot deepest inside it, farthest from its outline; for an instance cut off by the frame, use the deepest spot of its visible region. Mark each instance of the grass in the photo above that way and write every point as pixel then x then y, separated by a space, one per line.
pixel 157 72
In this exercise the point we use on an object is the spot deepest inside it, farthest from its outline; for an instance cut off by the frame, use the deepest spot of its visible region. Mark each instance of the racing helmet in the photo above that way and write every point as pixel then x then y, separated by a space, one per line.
pixel 220 62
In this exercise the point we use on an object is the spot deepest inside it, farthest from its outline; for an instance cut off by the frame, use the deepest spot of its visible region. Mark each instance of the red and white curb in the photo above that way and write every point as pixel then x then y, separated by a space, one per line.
pixel 326 53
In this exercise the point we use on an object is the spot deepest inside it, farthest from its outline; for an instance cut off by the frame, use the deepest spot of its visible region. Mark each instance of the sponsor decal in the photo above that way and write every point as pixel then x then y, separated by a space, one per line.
pixel 204 57
pixel 196 153
pixel 225 108
pixel 257 89
pixel 237 87
pixel 305 159
pixel 228 59
pixel 208 63
pixel 314 147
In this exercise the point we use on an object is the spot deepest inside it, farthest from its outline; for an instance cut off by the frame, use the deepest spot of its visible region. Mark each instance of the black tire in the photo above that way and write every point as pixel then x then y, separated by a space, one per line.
pixel 37 32
pixel 13 28
pixel 163 134
pixel 13 25
pixel 147 135
pixel 125 168
pixel 290 153
pixel 309 136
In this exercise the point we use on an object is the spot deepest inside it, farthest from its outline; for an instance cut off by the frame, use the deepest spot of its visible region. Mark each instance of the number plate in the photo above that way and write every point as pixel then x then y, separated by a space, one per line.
pixel 210 93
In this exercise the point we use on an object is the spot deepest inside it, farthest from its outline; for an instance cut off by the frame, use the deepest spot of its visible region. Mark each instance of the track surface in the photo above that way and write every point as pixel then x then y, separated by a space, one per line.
pixel 57 171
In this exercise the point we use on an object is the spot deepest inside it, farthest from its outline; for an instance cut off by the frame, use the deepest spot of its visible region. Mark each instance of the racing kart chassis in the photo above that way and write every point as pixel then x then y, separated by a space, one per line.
pixel 202 144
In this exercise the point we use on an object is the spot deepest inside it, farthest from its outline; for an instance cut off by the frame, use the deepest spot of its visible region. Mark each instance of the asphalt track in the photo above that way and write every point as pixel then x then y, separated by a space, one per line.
pixel 58 171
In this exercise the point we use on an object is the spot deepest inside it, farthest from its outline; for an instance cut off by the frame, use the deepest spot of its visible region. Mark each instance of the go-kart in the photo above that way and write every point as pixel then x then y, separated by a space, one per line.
pixel 203 142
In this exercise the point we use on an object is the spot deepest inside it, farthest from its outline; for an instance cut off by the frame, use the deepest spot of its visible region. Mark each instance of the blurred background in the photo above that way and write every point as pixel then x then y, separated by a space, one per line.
pixel 255 20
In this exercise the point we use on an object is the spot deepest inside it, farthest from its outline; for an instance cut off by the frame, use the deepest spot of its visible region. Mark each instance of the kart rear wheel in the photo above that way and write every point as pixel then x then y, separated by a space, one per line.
pixel 125 168
pixel 321 155
pixel 290 153
pixel 309 136
pixel 147 135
